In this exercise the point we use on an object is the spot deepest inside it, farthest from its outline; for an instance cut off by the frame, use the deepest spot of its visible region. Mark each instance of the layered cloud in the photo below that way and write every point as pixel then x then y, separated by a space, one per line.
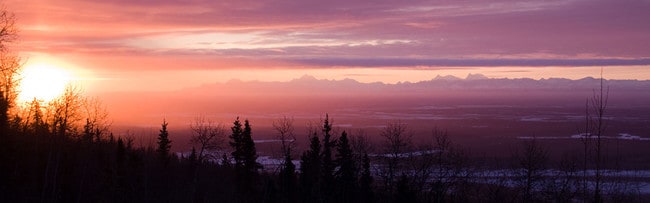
pixel 285 33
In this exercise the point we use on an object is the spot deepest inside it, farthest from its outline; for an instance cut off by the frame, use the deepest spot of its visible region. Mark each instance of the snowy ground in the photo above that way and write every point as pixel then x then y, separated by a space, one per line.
pixel 621 136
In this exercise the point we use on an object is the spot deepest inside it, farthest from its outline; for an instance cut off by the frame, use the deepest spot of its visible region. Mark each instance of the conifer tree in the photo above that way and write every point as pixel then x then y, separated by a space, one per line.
pixel 235 143
pixel 346 176
pixel 328 164
pixel 288 179
pixel 365 182
pixel 249 153
pixel 164 144
pixel 310 167
pixel 244 151
pixel 246 165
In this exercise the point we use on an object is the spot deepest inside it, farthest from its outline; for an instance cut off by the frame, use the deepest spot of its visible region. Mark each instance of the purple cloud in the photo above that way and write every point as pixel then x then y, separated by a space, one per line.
pixel 344 33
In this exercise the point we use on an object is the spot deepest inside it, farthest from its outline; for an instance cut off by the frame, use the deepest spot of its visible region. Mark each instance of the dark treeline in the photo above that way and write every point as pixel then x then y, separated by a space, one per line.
pixel 43 161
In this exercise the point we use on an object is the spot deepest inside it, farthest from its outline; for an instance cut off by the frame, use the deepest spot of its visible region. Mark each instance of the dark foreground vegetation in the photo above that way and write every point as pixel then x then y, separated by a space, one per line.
pixel 44 159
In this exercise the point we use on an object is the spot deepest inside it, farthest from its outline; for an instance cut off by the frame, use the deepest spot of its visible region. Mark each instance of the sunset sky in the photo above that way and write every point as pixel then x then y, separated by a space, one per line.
pixel 117 45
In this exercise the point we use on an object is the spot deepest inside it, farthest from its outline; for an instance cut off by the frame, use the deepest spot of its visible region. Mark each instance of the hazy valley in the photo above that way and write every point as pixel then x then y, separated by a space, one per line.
pixel 486 116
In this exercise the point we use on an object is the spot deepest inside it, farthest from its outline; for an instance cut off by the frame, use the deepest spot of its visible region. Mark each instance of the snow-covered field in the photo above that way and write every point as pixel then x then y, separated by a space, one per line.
pixel 621 136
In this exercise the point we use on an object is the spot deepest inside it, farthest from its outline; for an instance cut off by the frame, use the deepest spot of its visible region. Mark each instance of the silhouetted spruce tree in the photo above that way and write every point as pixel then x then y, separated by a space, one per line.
pixel 288 179
pixel 235 143
pixel 164 144
pixel 327 172
pixel 346 176
pixel 246 165
pixel 249 153
pixel 365 182
pixel 310 167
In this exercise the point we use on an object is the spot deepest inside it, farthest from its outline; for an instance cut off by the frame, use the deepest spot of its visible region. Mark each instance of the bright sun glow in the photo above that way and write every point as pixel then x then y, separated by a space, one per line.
pixel 43 82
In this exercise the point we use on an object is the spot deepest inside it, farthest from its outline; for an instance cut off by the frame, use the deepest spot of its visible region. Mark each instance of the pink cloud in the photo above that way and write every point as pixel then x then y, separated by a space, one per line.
pixel 290 32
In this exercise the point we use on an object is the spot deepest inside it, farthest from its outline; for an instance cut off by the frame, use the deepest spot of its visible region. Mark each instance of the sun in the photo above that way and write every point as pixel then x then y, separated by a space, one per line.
pixel 43 81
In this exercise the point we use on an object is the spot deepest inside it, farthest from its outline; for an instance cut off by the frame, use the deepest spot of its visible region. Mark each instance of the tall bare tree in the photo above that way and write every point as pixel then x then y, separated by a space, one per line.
pixel 592 140
pixel 97 120
pixel 397 141
pixel 8 29
pixel 361 143
pixel 586 144
pixel 361 147
pixel 284 128
pixel 65 112
pixel 209 135
pixel 599 105
pixel 441 168
pixel 63 115
pixel 532 161
pixel 9 67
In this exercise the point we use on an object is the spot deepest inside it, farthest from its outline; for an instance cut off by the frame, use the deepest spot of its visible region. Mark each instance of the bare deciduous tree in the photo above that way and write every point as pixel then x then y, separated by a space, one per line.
pixel 9 67
pixel 65 112
pixel 360 143
pixel 563 184
pixel 313 128
pixel 532 163
pixel 284 128
pixel 598 105
pixel 397 141
pixel 97 121
pixel 63 116
pixel 8 29
pixel 450 170
pixel 361 147
pixel 208 135
pixel 595 126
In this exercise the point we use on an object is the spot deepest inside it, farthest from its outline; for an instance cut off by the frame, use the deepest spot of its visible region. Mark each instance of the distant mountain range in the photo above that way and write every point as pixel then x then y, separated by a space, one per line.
pixel 309 94
pixel 439 83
